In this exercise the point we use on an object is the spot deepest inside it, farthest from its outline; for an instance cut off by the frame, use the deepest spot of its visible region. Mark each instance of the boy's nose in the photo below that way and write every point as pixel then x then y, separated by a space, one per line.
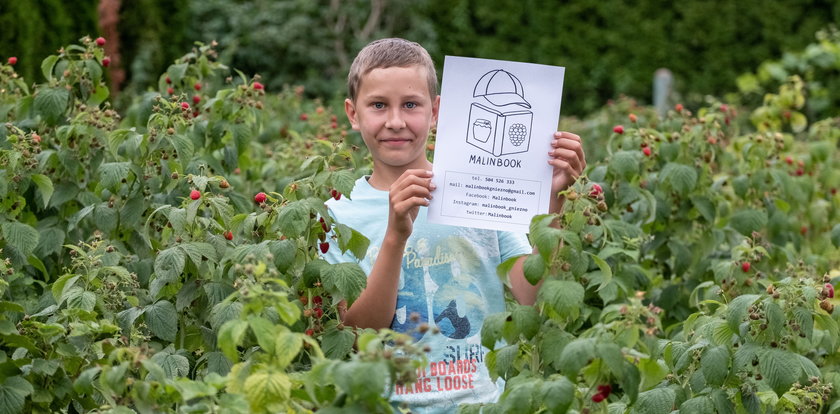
pixel 395 120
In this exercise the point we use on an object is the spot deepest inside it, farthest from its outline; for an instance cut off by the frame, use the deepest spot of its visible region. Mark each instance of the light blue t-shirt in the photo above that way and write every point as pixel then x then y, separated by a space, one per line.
pixel 449 279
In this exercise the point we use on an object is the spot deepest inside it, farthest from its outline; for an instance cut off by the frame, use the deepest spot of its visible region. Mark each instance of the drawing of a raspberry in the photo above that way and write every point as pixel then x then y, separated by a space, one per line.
pixel 517 133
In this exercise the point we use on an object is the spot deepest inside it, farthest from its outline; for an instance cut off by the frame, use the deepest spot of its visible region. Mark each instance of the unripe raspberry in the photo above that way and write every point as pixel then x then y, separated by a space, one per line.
pixel 678 107
pixel 632 117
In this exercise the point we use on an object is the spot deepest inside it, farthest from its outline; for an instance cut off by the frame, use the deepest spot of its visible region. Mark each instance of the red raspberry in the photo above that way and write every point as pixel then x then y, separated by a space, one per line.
pixel 229 235
pixel 317 312
pixel 100 41
pixel 12 61
pixel 310 332
pixel 745 267
pixel 335 194
pixel 829 288
pixel 605 389
pixel 646 151
pixel 195 194
pixel 196 99
pixel 789 160
pixel 596 190
pixel 618 129
pixel 36 138
pixel 168 80
pixel 304 117
pixel 598 398
pixel 197 86
pixel 678 107
pixel 185 106
pixel 324 225
pixel 632 117
pixel 317 300
pixel 324 246
pixel 260 197
pixel 258 86
pixel 106 61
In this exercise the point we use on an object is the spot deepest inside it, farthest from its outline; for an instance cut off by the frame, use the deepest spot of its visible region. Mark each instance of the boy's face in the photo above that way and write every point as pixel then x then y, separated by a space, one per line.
pixel 394 112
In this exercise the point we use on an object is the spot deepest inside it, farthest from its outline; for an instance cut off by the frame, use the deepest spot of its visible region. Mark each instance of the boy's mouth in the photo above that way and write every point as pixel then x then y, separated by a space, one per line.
pixel 395 140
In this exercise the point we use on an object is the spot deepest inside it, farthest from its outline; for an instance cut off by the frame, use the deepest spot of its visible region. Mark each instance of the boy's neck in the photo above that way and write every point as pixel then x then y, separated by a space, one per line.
pixel 383 175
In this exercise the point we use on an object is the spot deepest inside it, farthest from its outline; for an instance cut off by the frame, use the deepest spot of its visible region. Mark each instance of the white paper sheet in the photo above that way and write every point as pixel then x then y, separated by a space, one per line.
pixel 496 122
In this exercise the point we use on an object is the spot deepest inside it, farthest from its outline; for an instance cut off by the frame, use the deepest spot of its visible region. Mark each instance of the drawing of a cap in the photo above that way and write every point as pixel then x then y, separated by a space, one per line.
pixel 501 88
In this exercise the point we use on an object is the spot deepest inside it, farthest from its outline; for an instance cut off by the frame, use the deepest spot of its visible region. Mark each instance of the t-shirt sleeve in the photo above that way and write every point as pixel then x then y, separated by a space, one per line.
pixel 513 244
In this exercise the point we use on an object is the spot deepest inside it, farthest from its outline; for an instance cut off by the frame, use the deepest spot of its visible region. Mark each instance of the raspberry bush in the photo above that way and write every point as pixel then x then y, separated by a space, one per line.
pixel 166 258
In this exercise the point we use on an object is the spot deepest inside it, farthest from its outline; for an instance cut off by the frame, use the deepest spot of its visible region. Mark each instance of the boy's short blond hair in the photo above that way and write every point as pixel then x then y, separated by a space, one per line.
pixel 387 53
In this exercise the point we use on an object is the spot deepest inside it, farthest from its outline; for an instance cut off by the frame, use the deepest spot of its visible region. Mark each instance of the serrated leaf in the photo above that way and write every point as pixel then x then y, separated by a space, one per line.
pixel 780 369
pixel 715 364
pixel 266 388
pixel 344 280
pixel 835 235
pixel 491 329
pixel 47 66
pixel 230 336
pixel 51 103
pixel 78 298
pixel 681 177
pixel 576 355
pixel 737 310
pixel 111 174
pixel 557 394
pixel 45 188
pixel 13 392
pixel 343 181
pixel 173 365
pixel 563 296
pixel 534 268
pixel 223 312
pixel 526 319
pixel 655 401
pixel 747 221
pixel 293 219
pixel 162 319
pixel 624 164
pixel 287 345
pixel 350 239
pixel 336 343
pixel 170 263
pixel 701 404
pixel 22 237
pixel 127 317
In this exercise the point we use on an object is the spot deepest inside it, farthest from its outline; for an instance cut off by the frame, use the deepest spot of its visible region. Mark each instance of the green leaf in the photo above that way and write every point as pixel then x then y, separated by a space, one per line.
pixel 230 336
pixel 111 174
pixel 47 66
pixel 176 72
pixel 45 188
pixel 266 388
pixel 344 280
pixel 737 310
pixel 534 268
pixel 681 177
pixel 576 355
pixel 544 237
pixel 780 369
pixel 293 219
pixel 835 235
pixel 184 147
pixel 287 346
pixel 624 164
pixel 715 364
pixel 701 404
pixel 655 401
pixel 170 263
pixel 173 365
pixel 747 221
pixel 564 296
pixel 343 181
pixel 557 394
pixel 336 343
pixel 264 330
pixel 127 317
pixel 13 392
pixel 162 319
pixel 51 103
pixel 21 236
pixel 224 311
pixel 350 239
pixel 198 250
pixel 526 319
pixel 491 329
pixel 78 298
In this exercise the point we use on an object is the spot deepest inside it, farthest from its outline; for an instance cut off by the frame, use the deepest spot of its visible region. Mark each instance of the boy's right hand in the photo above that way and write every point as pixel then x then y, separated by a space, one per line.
pixel 410 191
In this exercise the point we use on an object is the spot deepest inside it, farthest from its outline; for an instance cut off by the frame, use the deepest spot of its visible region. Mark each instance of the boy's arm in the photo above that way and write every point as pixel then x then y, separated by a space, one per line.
pixel 569 161
pixel 376 305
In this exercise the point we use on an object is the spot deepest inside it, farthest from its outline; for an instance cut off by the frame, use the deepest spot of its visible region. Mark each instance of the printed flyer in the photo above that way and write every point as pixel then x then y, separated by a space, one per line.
pixel 497 119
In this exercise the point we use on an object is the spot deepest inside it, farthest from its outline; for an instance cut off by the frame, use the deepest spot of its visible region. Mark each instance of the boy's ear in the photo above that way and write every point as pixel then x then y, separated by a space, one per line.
pixel 350 110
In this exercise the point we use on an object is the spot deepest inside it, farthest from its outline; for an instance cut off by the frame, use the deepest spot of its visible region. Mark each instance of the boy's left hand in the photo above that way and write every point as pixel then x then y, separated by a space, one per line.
pixel 568 160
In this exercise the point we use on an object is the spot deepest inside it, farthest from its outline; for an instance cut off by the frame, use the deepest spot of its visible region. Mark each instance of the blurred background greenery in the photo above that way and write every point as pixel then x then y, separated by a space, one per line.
pixel 609 47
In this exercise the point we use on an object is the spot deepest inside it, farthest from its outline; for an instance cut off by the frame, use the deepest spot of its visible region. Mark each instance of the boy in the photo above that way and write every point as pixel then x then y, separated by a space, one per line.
pixel 421 273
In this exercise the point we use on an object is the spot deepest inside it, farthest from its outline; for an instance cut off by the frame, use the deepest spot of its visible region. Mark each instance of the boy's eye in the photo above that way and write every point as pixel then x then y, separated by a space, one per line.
pixel 410 105
pixel 378 105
